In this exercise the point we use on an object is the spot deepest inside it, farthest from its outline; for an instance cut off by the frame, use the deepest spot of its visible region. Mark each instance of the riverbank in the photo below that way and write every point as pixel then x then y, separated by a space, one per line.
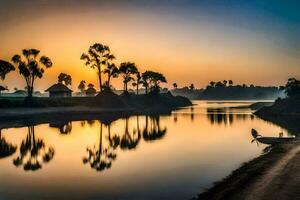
pixel 106 107
pixel 260 177
pixel 284 113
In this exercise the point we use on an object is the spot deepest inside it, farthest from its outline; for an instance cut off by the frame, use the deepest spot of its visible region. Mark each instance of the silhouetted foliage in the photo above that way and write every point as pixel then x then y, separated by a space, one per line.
pixel 112 71
pixel 6 149
pixel 5 68
pixel 292 87
pixel 97 57
pixel 81 86
pixel 153 132
pixel 33 152
pixel 153 80
pixel 138 81
pixel 127 70
pixel 100 158
pixel 129 140
pixel 65 79
pixel 30 67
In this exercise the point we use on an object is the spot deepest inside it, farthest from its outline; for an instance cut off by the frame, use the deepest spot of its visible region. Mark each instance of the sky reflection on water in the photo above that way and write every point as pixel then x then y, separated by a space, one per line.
pixel 140 157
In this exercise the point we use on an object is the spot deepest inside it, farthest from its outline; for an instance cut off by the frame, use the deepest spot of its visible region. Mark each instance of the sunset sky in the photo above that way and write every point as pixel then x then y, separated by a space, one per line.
pixel 190 41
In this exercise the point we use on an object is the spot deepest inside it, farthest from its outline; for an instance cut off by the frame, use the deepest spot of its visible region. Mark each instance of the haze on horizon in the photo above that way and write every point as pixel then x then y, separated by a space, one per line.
pixel 254 42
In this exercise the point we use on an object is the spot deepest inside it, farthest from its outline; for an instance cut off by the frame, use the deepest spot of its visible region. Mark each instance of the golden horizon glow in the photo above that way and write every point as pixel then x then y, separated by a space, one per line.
pixel 184 51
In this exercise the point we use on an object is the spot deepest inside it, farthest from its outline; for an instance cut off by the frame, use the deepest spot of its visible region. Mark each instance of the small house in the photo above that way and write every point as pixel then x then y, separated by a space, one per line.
pixel 59 90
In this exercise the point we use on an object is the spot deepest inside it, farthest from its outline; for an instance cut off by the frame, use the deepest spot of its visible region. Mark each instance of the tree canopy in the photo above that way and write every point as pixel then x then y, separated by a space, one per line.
pixel 65 79
pixel 31 67
pixel 5 68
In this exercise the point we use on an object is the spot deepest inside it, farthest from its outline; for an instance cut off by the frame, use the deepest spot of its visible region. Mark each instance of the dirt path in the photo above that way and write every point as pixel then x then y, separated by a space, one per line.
pixel 271 184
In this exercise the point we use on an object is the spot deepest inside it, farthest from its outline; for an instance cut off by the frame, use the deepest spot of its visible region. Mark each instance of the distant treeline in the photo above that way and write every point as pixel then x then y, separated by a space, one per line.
pixel 225 90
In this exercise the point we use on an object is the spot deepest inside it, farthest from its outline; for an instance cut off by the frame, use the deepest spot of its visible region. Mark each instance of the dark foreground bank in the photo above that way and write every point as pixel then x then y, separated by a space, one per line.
pixel 244 182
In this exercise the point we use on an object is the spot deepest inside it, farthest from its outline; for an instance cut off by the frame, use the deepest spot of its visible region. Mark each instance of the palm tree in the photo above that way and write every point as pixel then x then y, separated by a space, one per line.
pixel 154 80
pixel 30 67
pixel 112 71
pixel 5 68
pixel 127 69
pixel 230 82
pixel 65 79
pixel 145 81
pixel 97 56
pixel 138 81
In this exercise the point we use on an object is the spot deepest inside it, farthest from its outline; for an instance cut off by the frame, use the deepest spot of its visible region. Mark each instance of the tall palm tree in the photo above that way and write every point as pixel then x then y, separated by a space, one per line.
pixel 112 71
pixel 138 81
pixel 97 57
pixel 30 67
pixel 127 69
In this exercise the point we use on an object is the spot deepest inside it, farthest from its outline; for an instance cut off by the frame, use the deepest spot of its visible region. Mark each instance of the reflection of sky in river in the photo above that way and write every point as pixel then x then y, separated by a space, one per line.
pixel 175 157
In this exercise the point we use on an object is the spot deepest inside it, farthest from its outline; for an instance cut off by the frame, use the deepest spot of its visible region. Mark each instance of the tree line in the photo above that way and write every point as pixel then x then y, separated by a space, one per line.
pixel 32 66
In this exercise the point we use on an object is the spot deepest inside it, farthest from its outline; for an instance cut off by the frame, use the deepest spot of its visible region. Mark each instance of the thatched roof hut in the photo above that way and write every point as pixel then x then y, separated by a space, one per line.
pixel 59 90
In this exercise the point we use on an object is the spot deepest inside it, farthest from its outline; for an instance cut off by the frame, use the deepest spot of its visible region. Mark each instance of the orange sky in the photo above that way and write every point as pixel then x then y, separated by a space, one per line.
pixel 184 49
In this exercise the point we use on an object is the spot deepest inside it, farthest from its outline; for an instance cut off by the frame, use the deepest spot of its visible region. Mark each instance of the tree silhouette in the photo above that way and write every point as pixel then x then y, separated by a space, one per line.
pixel 81 86
pixel 175 85
pixel 138 81
pixel 127 69
pixel 292 87
pixel 90 91
pixel 2 88
pixel 6 149
pixel 33 152
pixel 114 141
pixel 100 158
pixel 30 67
pixel 97 56
pixel 65 79
pixel 192 87
pixel 145 81
pixel 153 80
pixel 230 82
pixel 5 68
pixel 130 140
pixel 112 71
pixel 153 132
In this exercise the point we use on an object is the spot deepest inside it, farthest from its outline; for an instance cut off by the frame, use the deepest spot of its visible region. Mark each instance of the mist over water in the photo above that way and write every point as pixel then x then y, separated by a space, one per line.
pixel 141 157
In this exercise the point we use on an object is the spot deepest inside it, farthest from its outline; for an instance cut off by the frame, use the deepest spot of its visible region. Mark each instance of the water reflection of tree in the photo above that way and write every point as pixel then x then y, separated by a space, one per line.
pixel 100 158
pixel 6 149
pixel 154 130
pixel 33 152
pixel 129 139
pixel 64 127
pixel 225 116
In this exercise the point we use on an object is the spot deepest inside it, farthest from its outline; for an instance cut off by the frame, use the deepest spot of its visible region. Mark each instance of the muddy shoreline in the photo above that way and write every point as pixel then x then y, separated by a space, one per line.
pixel 240 183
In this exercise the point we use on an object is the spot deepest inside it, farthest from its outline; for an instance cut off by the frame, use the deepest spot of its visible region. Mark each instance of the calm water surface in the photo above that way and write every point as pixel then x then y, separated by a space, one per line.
pixel 142 157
